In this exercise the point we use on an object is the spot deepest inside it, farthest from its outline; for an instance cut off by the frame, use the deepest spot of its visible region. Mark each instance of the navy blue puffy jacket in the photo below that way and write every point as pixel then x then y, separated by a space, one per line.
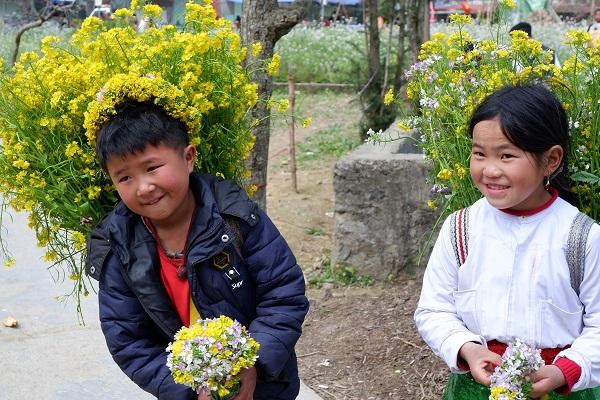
pixel 266 293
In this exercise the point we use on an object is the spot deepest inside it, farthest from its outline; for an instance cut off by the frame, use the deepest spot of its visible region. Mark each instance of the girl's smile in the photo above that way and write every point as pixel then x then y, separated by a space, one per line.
pixel 510 178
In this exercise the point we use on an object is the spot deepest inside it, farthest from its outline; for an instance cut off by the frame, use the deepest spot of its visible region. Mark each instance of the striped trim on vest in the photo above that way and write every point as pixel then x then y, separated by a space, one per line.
pixel 459 222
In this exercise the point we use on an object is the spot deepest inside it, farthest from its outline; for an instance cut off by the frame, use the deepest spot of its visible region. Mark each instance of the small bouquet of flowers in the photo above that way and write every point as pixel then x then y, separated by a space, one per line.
pixel 510 380
pixel 210 354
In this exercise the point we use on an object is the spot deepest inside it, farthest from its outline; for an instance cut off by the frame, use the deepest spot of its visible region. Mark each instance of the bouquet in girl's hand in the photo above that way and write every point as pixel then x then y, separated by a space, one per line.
pixel 510 381
pixel 210 354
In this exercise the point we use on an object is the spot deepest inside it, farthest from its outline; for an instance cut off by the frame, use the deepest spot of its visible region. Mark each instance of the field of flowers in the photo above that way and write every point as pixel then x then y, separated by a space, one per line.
pixel 322 54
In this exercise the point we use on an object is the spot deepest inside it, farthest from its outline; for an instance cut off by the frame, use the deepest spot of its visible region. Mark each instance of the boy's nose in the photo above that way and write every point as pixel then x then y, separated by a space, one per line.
pixel 145 188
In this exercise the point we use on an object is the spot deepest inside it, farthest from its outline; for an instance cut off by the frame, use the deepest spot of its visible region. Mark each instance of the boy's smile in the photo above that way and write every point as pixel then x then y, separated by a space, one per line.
pixel 154 183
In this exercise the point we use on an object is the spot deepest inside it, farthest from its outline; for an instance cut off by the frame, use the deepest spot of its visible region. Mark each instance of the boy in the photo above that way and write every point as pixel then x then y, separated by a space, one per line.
pixel 182 246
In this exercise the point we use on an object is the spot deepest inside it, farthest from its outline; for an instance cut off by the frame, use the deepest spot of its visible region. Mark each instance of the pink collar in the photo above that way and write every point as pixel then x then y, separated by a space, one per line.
pixel 527 213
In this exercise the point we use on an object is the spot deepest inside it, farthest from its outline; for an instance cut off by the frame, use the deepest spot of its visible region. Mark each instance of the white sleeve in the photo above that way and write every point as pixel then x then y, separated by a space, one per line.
pixel 436 316
pixel 585 350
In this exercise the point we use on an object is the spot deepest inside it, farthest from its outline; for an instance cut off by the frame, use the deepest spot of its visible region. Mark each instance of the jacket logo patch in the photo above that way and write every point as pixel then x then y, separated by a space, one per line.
pixel 221 260
pixel 237 285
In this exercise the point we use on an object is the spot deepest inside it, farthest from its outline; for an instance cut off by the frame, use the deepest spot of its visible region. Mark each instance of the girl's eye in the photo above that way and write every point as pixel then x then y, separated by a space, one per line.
pixel 123 179
pixel 506 156
pixel 478 154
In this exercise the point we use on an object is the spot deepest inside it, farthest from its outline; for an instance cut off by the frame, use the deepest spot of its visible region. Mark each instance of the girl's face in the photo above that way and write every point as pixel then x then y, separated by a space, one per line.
pixel 510 178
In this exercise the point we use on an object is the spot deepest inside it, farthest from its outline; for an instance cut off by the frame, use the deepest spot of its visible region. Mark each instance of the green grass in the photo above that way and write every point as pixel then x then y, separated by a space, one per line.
pixel 331 141
pixel 340 275
pixel 315 231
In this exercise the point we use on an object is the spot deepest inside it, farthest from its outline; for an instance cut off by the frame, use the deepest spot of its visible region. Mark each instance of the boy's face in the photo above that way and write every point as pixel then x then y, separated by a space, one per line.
pixel 597 16
pixel 154 183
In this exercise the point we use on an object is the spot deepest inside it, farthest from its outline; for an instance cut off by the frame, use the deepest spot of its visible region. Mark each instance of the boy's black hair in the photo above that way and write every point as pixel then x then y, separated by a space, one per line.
pixel 136 127
pixel 532 119
pixel 522 26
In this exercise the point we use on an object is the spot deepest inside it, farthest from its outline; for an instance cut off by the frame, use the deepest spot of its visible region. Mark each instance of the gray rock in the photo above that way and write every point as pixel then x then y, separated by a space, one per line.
pixel 382 223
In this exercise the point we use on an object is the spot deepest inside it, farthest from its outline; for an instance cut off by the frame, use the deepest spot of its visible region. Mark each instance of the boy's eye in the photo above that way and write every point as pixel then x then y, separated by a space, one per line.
pixel 477 154
pixel 153 167
pixel 123 179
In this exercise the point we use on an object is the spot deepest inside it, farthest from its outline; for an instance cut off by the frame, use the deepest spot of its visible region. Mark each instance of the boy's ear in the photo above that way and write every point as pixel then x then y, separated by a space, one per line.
pixel 189 155
pixel 554 157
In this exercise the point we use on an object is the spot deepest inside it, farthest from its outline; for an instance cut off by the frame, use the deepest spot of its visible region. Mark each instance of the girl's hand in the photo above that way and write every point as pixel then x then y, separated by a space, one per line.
pixel 545 379
pixel 248 383
pixel 481 361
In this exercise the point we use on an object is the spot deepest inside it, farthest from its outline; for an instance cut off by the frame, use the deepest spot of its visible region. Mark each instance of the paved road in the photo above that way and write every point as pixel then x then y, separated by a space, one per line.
pixel 50 356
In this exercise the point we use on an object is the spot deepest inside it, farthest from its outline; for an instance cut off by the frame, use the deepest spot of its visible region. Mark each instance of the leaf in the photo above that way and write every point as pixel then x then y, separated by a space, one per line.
pixel 10 322
pixel 585 177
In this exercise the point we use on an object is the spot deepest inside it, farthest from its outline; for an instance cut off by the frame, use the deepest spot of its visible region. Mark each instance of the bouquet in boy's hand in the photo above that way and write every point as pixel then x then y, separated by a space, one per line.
pixel 511 379
pixel 210 354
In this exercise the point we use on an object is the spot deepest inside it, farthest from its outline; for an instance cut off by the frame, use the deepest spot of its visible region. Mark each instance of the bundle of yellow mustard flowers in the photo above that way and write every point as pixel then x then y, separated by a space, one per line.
pixel 53 104
pixel 455 72
pixel 210 354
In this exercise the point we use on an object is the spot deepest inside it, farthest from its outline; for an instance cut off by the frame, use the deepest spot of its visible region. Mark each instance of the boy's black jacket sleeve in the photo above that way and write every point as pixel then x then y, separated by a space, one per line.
pixel 127 324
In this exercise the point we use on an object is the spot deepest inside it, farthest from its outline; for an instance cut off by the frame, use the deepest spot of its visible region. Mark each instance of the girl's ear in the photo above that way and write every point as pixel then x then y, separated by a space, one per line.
pixel 189 155
pixel 554 157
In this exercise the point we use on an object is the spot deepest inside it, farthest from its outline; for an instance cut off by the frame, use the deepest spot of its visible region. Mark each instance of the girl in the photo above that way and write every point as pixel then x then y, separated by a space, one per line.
pixel 499 268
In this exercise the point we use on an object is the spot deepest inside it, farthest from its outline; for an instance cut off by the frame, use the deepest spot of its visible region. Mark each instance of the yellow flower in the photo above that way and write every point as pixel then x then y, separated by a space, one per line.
pixel 273 66
pixel 153 11
pixel 93 192
pixel 22 164
pixel 72 149
pixel 389 97
pixel 282 105
pixel 306 123
pixel 444 174
pixel 508 3
pixel 122 13
pixel 577 38
pixel 50 256
pixel 461 19
pixel 431 204
pixel 9 262
pixel 256 49
pixel 460 170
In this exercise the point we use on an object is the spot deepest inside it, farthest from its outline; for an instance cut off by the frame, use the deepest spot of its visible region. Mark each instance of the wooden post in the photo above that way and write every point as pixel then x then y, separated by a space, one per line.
pixel 292 124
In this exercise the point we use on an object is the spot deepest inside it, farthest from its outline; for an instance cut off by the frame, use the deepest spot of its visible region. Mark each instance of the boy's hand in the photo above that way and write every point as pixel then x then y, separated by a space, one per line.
pixel 481 361
pixel 248 383
pixel 545 379
pixel 203 395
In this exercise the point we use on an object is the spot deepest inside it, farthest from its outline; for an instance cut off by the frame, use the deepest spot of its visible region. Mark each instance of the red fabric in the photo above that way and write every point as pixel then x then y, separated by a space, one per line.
pixel 527 213
pixel 177 288
pixel 548 355
pixel 571 370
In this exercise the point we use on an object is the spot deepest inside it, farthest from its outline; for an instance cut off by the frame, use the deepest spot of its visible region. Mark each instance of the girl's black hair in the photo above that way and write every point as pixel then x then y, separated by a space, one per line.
pixel 136 127
pixel 532 119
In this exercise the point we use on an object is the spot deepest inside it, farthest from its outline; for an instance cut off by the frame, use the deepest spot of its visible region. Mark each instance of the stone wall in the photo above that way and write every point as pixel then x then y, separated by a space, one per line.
pixel 382 222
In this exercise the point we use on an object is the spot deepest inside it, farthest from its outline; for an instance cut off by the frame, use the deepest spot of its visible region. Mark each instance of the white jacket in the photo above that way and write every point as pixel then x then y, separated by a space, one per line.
pixel 515 283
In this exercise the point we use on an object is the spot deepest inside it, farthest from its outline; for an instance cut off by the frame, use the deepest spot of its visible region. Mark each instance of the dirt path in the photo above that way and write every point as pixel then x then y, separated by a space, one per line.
pixel 358 343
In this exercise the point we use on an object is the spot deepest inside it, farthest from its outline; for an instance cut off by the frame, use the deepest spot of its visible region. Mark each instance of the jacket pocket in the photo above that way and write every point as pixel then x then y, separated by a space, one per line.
pixel 559 326
pixel 465 302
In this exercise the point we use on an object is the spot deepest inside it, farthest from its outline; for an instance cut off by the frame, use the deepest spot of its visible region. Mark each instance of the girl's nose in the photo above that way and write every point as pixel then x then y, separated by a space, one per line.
pixel 492 171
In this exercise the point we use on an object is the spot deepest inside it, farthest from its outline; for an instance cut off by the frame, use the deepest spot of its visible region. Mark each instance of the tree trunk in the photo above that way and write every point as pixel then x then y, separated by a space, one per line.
pixel 417 26
pixel 263 21
pixel 401 50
